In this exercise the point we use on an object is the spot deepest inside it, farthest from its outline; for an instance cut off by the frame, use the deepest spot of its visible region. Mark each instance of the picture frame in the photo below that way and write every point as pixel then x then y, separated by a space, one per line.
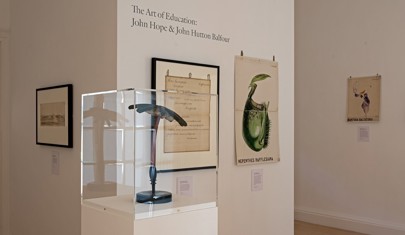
pixel 189 78
pixel 54 116
pixel 183 69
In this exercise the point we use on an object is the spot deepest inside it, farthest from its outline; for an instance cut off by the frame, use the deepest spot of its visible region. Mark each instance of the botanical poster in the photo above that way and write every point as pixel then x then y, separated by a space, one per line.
pixel 256 111
pixel 363 99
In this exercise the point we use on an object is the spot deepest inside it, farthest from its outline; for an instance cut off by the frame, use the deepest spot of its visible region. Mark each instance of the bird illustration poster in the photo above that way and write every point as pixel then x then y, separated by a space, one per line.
pixel 363 99
pixel 256 111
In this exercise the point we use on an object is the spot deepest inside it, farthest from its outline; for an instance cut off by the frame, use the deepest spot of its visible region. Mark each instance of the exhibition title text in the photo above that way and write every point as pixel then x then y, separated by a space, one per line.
pixel 170 23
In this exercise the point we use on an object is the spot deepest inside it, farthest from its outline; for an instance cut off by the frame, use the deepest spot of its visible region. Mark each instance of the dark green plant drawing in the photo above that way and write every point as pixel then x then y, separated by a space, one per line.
pixel 256 122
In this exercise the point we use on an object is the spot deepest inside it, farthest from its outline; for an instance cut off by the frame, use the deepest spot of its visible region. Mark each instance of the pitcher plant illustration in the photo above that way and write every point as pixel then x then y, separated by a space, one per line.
pixel 256 122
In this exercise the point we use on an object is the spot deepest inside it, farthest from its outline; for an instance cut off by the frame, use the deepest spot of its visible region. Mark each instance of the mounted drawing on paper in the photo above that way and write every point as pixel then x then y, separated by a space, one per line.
pixel 256 111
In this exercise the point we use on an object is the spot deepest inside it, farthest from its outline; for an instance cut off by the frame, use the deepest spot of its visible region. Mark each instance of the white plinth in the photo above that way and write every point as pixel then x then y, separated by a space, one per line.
pixel 106 216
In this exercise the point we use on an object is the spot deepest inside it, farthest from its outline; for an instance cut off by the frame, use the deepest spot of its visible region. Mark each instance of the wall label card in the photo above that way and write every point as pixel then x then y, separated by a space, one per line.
pixel 363 134
pixel 257 180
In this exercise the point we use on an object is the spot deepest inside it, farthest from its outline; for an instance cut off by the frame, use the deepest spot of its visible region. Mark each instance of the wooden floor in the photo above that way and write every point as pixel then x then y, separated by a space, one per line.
pixel 302 228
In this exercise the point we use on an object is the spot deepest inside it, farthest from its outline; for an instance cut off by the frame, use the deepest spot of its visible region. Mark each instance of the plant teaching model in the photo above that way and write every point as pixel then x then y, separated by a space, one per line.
pixel 157 112
pixel 256 122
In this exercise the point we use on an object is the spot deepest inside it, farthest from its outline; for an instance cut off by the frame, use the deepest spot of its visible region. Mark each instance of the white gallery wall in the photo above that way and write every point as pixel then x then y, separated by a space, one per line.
pixel 340 181
pixel 54 43
pixel 261 29
pixel 4 15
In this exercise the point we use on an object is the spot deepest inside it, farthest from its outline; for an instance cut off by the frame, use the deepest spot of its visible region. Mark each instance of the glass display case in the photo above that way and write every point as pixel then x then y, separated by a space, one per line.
pixel 148 153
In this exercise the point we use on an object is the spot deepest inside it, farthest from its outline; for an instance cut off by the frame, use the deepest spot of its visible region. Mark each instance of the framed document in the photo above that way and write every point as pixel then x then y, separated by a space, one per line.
pixel 54 120
pixel 197 141
pixel 201 78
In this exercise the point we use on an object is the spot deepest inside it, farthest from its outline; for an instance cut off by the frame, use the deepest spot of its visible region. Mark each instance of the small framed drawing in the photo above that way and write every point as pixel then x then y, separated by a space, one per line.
pixel 194 146
pixel 54 120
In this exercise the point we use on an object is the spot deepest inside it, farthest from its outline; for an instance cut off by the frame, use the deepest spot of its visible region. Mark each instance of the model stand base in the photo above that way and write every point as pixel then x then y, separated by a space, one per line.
pixel 157 198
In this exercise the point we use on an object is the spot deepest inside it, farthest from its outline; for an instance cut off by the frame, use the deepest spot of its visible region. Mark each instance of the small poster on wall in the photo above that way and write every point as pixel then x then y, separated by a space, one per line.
pixel 363 99
pixel 256 111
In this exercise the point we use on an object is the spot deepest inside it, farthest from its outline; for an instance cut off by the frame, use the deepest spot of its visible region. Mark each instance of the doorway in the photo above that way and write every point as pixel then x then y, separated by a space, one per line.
pixel 4 133
pixel 1 147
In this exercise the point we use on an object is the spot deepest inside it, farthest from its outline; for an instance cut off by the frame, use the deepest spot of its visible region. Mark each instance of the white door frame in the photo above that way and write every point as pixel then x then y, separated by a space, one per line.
pixel 5 123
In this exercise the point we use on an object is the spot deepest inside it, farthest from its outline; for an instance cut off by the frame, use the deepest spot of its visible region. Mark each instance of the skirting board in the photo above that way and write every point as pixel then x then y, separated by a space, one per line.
pixel 347 222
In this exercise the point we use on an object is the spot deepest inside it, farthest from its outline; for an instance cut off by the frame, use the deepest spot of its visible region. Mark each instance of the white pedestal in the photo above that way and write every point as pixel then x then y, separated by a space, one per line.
pixel 108 216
